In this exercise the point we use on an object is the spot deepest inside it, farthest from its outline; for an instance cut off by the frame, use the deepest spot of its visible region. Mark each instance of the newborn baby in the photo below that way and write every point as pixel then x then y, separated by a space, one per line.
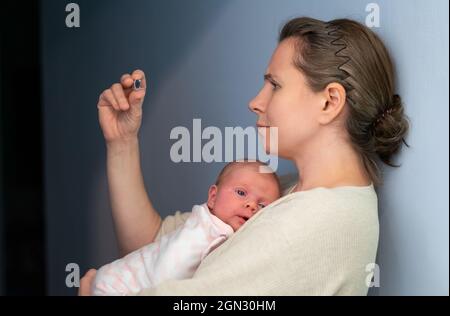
pixel 240 191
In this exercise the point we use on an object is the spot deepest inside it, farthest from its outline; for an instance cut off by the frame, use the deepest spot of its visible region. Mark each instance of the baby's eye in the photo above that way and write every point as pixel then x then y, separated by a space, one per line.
pixel 261 205
pixel 240 192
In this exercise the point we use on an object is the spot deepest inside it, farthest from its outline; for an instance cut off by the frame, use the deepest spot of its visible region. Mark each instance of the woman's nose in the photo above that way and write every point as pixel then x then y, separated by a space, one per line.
pixel 256 105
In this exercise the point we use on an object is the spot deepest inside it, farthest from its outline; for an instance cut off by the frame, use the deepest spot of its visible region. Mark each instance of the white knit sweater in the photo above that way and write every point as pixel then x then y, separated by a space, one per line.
pixel 315 242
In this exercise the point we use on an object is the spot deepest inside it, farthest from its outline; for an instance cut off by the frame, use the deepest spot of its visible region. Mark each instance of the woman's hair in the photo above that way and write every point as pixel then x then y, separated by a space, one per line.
pixel 347 52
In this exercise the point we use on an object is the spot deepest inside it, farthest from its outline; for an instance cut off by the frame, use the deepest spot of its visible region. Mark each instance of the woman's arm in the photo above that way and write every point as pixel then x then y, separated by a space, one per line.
pixel 86 283
pixel 120 116
pixel 136 220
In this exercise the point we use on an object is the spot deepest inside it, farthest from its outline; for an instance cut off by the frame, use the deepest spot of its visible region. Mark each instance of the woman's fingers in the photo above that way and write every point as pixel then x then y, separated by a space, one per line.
pixel 139 75
pixel 136 96
pixel 86 283
pixel 120 97
pixel 107 99
pixel 126 81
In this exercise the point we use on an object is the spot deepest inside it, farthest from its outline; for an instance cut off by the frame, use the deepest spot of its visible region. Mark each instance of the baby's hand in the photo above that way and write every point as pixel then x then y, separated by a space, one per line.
pixel 120 107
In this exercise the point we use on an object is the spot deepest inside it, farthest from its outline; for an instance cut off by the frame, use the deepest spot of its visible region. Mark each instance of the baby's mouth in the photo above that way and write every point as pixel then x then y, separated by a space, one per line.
pixel 242 219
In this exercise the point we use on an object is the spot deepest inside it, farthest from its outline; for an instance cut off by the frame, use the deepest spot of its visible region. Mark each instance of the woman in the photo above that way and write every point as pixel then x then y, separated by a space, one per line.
pixel 329 89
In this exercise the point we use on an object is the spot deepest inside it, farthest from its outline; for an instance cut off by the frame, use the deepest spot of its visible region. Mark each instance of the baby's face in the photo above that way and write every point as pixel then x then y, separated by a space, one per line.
pixel 242 193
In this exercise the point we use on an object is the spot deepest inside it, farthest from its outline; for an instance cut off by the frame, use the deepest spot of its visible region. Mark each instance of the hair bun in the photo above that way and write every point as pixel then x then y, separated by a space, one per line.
pixel 396 100
pixel 396 103
pixel 394 106
pixel 390 129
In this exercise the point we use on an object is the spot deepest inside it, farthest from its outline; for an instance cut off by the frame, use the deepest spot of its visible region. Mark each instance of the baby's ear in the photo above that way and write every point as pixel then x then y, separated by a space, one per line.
pixel 212 193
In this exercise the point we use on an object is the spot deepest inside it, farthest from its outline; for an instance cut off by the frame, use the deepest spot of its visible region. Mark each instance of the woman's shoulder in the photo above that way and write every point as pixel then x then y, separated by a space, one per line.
pixel 349 194
pixel 345 206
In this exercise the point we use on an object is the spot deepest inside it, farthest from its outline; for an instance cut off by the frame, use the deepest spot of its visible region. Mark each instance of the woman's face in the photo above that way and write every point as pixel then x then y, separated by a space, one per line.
pixel 286 102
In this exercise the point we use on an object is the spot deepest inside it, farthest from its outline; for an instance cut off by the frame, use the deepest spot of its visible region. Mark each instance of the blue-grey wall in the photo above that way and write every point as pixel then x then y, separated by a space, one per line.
pixel 1 206
pixel 205 59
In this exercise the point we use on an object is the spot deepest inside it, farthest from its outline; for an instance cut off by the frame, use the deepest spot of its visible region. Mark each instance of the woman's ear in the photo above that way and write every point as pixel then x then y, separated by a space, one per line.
pixel 212 193
pixel 334 101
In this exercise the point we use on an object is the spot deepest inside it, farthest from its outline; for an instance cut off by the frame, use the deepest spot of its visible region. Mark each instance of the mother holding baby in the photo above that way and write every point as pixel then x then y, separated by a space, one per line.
pixel 329 89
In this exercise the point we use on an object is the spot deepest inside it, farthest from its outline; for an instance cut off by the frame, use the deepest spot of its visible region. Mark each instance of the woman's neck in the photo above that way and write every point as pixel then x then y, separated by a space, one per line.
pixel 330 164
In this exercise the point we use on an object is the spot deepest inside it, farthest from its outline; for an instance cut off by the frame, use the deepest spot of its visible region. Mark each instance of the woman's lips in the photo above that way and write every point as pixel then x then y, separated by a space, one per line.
pixel 262 129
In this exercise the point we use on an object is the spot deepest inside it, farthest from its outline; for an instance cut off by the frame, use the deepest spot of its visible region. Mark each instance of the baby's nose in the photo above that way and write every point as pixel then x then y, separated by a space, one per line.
pixel 251 206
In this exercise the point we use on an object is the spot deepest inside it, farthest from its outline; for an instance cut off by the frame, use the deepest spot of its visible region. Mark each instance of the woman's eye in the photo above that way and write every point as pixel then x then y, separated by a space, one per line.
pixel 274 86
pixel 240 192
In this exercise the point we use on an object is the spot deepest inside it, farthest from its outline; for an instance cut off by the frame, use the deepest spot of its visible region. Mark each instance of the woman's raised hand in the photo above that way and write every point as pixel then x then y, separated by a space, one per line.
pixel 120 108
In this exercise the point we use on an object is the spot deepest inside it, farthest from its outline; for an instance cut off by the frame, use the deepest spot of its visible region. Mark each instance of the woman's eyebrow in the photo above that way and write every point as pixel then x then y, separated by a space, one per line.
pixel 270 77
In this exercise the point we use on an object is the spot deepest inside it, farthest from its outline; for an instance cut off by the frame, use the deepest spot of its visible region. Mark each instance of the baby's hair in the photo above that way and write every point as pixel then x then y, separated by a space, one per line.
pixel 229 166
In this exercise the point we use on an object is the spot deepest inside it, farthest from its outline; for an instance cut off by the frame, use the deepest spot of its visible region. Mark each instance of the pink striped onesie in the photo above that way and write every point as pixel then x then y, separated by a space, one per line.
pixel 175 256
